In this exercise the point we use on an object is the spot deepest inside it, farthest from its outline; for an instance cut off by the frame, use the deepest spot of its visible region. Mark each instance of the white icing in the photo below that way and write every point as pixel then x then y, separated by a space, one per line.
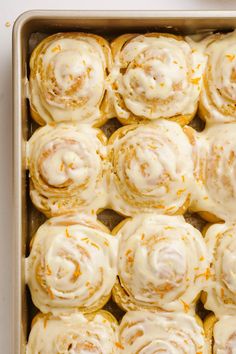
pixel 67 168
pixel 221 289
pixel 162 262
pixel 148 333
pixel 162 78
pixel 74 334
pixel 225 336
pixel 68 76
pixel 218 95
pixel 151 169
pixel 215 171
pixel 72 264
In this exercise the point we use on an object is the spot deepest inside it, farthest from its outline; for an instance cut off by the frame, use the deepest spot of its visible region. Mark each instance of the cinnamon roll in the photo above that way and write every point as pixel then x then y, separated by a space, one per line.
pixel 146 332
pixel 221 288
pixel 68 74
pixel 214 153
pixel 221 334
pixel 155 76
pixel 67 165
pixel 96 333
pixel 151 169
pixel 162 264
pixel 218 95
pixel 72 265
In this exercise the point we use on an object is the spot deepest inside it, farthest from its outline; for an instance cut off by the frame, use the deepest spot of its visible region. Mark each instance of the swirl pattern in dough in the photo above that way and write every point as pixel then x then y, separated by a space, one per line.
pixel 221 290
pixel 215 171
pixel 162 264
pixel 67 166
pixel 151 169
pixel 67 78
pixel 155 76
pixel 143 332
pixel 218 95
pixel 77 333
pixel 72 265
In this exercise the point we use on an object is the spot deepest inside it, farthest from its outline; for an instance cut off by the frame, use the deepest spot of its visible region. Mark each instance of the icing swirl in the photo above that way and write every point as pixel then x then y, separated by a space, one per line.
pixel 151 169
pixel 72 265
pixel 74 334
pixel 215 171
pixel 145 332
pixel 225 336
pixel 221 290
pixel 163 263
pixel 67 78
pixel 67 167
pixel 218 95
pixel 155 76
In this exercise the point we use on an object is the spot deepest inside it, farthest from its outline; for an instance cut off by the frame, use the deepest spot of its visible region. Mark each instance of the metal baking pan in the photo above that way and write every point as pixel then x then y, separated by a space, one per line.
pixel 108 24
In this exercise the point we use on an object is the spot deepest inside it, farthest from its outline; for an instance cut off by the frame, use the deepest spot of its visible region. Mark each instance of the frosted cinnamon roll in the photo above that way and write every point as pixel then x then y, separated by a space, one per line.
pixel 162 264
pixel 155 76
pixel 67 166
pixel 67 78
pixel 95 333
pixel 221 289
pixel 146 332
pixel 72 265
pixel 218 95
pixel 151 169
pixel 215 171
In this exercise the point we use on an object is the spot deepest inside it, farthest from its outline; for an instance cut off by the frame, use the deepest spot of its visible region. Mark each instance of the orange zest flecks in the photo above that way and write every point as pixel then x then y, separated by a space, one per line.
pixel 119 345
pixel 180 191
pixel 57 48
pixel 201 259
pixel 67 234
pixel 87 284
pixel 186 306
pixel 77 272
pixel 205 198
pixel 106 243
pixel 195 81
pixel 222 292
pixel 231 57
pixel 206 274
pixel 162 84
pixel 48 270
pixel 95 245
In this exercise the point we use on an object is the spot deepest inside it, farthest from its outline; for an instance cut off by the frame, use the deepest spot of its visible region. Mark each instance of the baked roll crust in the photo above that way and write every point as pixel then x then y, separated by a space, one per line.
pixel 155 76
pixel 72 265
pixel 68 74
pixel 67 166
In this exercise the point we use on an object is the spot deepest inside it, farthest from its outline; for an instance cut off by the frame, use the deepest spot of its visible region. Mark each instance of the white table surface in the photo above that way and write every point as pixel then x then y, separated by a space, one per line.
pixel 9 11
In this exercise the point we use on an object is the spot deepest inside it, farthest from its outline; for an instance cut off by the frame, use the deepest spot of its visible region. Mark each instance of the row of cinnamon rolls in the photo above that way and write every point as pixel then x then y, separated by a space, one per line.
pixel 149 262
pixel 157 167
pixel 137 78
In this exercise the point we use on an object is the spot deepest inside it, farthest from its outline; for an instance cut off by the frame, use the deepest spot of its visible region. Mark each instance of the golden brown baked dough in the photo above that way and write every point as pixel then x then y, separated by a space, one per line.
pixel 68 74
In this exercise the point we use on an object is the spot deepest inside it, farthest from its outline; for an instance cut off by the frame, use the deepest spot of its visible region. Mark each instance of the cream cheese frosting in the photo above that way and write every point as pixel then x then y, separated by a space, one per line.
pixel 67 166
pixel 68 75
pixel 218 95
pixel 221 289
pixel 215 171
pixel 72 265
pixel 156 76
pixel 74 334
pixel 151 168
pixel 225 336
pixel 162 263
pixel 148 333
